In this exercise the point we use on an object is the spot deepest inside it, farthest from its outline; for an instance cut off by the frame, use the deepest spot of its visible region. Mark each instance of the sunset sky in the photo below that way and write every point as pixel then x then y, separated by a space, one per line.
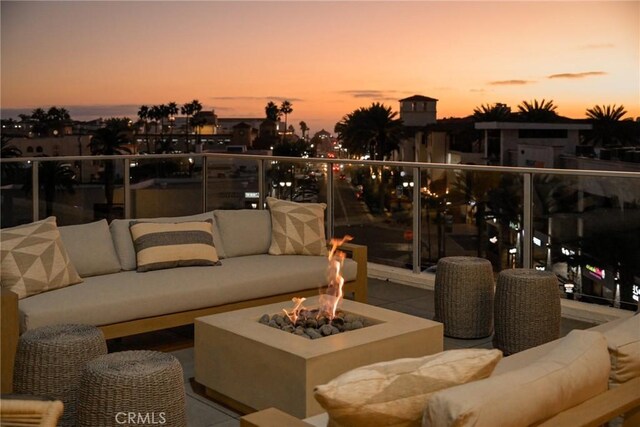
pixel 328 58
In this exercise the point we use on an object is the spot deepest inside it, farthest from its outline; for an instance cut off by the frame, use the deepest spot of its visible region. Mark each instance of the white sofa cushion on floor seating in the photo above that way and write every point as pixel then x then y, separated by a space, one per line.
pixel 574 371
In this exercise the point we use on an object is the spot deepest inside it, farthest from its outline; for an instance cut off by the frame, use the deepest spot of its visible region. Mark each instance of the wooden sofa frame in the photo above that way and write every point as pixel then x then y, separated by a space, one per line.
pixel 10 320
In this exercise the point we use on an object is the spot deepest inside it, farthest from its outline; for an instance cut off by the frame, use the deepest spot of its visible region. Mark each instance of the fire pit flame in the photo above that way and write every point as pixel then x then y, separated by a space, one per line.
pixel 331 298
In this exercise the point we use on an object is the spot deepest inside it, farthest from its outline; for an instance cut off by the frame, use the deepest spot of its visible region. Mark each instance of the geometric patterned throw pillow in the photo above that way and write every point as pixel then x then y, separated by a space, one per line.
pixel 297 228
pixel 33 259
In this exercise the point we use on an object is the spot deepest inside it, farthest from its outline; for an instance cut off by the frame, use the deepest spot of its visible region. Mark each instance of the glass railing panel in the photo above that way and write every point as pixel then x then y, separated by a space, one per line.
pixel 471 213
pixel 232 183
pixel 80 191
pixel 586 231
pixel 296 180
pixel 373 204
pixel 166 186
pixel 15 195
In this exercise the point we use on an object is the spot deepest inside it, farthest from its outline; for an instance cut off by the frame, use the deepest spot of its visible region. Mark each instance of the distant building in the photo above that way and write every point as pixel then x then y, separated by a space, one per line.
pixel 530 144
pixel 417 112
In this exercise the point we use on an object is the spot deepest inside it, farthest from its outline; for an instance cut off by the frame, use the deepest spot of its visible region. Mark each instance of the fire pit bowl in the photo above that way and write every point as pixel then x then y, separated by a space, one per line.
pixel 249 366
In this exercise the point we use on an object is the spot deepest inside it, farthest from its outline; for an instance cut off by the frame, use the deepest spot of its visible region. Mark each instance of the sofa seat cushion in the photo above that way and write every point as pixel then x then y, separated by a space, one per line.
pixel 129 295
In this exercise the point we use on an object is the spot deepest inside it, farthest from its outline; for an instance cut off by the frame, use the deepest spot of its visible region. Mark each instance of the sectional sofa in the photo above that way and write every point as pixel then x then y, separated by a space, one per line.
pixel 584 379
pixel 122 301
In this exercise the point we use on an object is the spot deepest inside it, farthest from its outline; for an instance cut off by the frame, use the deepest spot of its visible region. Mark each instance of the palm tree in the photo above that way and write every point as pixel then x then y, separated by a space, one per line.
pixel 538 111
pixel 172 110
pixel 53 177
pixel 190 109
pixel 110 140
pixel 304 129
pixel 272 111
pixel 374 130
pixel 286 108
pixel 40 125
pixel 492 113
pixel 609 128
pixel 56 119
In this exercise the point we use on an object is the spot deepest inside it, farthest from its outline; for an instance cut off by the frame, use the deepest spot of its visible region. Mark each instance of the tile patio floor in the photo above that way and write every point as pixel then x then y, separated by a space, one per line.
pixel 202 412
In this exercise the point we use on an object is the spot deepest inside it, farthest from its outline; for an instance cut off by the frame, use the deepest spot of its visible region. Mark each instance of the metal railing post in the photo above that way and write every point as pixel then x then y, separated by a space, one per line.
pixel 417 222
pixel 527 231
pixel 204 183
pixel 127 188
pixel 35 190
pixel 330 201
pixel 261 181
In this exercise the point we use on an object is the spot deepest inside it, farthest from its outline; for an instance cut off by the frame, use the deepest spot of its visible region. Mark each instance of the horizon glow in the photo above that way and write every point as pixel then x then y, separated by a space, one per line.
pixel 103 59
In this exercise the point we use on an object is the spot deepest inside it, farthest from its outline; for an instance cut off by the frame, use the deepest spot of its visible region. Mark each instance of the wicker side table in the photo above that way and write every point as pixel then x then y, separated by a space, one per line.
pixel 527 309
pixel 135 387
pixel 464 291
pixel 50 360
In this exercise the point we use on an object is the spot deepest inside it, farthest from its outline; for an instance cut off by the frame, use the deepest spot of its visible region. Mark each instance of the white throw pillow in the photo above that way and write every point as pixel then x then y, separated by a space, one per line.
pixel 574 371
pixel 393 393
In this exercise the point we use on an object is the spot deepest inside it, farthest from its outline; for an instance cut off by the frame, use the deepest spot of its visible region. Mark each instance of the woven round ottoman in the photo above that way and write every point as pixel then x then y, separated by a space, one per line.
pixel 50 360
pixel 527 309
pixel 464 292
pixel 132 388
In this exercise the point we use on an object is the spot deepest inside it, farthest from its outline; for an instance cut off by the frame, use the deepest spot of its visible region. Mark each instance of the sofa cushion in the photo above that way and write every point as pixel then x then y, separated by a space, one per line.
pixel 394 392
pixel 124 244
pixel 129 295
pixel 624 349
pixel 297 228
pixel 33 259
pixel 244 231
pixel 161 245
pixel 574 371
pixel 90 248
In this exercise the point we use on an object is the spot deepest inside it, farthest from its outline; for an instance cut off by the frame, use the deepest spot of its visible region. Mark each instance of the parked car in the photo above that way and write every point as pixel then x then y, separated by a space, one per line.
pixel 305 197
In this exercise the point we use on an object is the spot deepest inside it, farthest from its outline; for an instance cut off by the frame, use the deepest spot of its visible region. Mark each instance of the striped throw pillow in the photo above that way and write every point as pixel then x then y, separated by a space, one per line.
pixel 169 245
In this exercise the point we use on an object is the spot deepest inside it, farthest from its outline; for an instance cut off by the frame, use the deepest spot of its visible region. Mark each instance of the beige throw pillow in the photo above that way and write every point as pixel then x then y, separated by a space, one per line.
pixel 394 393
pixel 167 245
pixel 624 349
pixel 574 371
pixel 34 259
pixel 297 228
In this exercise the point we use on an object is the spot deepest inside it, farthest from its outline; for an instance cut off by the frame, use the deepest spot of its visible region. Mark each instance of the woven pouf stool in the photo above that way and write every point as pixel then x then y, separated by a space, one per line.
pixel 464 292
pixel 50 360
pixel 132 387
pixel 527 309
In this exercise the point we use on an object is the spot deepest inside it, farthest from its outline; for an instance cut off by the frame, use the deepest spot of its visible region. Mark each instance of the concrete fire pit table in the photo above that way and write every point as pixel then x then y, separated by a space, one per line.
pixel 250 366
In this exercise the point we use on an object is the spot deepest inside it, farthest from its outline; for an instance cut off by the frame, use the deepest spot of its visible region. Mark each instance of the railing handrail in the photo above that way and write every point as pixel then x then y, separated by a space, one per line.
pixel 420 165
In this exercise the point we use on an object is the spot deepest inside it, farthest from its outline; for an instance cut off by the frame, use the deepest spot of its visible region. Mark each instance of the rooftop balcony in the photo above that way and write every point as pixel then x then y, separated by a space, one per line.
pixel 582 225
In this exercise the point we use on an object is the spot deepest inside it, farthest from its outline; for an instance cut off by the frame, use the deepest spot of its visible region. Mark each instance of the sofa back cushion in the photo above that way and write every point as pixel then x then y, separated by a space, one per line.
pixel 33 259
pixel 90 248
pixel 244 231
pixel 124 244
pixel 576 370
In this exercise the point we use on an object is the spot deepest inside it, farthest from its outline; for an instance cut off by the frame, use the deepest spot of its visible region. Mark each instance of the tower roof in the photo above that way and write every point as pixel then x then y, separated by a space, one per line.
pixel 418 98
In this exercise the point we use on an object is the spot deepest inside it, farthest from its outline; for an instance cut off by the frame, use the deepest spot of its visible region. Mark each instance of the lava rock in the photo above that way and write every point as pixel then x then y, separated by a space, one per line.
pixel 322 321
pixel 264 319
pixel 337 321
pixel 312 333
pixel 349 318
pixel 273 324
pixel 357 324
pixel 335 330
pixel 325 330
pixel 311 323
pixel 288 328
